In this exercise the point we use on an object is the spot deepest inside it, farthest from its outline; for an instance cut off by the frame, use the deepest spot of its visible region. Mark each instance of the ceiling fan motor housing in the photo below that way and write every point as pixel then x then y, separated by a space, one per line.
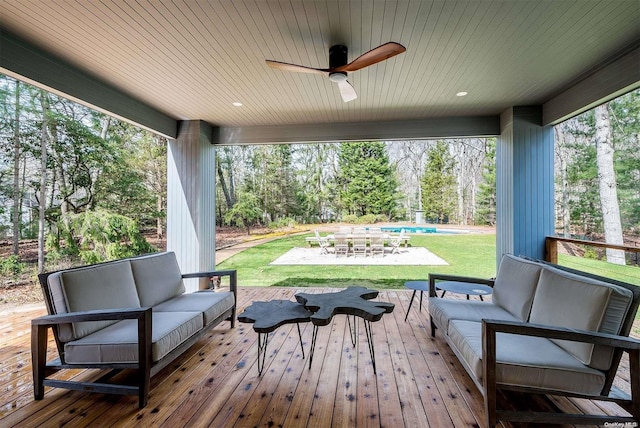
pixel 337 56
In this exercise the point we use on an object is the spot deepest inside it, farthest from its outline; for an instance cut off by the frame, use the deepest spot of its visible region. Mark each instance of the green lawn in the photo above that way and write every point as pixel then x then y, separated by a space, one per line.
pixel 469 255
pixel 630 274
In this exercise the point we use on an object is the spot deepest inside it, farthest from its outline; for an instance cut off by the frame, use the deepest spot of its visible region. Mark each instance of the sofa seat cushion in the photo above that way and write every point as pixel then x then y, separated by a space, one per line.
pixel 524 361
pixel 118 342
pixel 158 278
pixel 104 286
pixel 515 285
pixel 443 310
pixel 211 304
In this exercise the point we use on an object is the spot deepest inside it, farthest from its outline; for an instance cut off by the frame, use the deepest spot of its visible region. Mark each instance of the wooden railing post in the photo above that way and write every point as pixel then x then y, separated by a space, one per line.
pixel 551 250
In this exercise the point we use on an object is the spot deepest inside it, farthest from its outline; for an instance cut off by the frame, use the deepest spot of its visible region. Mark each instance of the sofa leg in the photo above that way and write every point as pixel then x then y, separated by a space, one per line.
pixel 634 369
pixel 38 359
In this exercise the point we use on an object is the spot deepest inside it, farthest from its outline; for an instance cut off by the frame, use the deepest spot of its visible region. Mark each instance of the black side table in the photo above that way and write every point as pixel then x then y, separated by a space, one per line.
pixel 267 316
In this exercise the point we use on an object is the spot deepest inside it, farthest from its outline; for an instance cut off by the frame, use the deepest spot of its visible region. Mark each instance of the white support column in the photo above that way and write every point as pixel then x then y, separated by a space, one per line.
pixel 191 230
pixel 524 183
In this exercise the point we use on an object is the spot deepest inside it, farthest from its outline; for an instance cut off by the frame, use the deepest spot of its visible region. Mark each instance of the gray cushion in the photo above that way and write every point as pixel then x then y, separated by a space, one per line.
pixel 444 310
pixel 515 285
pixel 157 278
pixel 105 286
pixel 524 361
pixel 211 304
pixel 570 301
pixel 117 343
pixel 54 283
pixel 615 312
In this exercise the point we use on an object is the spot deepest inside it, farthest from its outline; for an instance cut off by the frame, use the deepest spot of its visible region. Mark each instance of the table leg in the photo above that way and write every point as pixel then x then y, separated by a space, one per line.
pixel 367 327
pixel 421 293
pixel 300 336
pixel 313 344
pixel 353 330
pixel 263 340
pixel 410 303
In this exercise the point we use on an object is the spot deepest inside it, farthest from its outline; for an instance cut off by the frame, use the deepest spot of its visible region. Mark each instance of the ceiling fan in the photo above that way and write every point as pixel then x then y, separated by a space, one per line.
pixel 338 67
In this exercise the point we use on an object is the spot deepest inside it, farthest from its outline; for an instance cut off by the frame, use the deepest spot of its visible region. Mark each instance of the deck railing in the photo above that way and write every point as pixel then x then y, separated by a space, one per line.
pixel 551 246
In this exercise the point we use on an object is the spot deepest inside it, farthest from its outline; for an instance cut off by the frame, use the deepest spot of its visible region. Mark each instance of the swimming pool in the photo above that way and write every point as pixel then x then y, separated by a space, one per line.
pixel 423 229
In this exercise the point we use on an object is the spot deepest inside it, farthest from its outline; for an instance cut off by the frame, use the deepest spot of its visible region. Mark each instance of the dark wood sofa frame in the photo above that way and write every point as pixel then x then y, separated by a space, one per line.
pixel 144 368
pixel 622 343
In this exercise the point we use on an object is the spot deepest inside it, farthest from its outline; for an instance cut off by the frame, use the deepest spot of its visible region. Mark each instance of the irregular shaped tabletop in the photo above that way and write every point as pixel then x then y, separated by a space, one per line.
pixel 267 316
pixel 350 301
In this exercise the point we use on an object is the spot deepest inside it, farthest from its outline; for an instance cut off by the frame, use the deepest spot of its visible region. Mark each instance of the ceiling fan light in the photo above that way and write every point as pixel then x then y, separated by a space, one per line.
pixel 338 76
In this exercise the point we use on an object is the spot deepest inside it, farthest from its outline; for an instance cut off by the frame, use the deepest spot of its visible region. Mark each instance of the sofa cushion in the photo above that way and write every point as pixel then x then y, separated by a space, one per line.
pixel 54 284
pixel 571 301
pixel 118 342
pixel 158 278
pixel 211 304
pixel 444 310
pixel 515 285
pixel 524 361
pixel 617 308
pixel 104 286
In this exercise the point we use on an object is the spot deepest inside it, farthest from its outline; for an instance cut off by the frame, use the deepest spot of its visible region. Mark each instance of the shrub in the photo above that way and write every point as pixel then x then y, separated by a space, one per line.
pixel 367 219
pixel 98 236
pixel 11 266
pixel 283 222
pixel 350 218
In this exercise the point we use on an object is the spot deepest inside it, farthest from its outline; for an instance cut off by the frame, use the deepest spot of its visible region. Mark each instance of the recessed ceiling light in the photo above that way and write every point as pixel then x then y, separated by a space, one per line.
pixel 237 104
pixel 461 94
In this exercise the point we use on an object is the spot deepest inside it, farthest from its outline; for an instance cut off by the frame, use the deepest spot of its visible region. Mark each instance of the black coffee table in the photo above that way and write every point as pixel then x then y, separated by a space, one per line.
pixel 354 301
pixel 268 316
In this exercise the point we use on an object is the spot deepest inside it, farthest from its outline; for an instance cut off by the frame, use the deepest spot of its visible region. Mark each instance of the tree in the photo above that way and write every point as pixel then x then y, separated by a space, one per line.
pixel 607 185
pixel 438 184
pixel 365 181
pixel 245 212
pixel 486 213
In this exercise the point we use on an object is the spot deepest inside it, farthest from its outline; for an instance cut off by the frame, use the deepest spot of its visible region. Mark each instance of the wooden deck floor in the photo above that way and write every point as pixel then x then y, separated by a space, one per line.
pixel 419 381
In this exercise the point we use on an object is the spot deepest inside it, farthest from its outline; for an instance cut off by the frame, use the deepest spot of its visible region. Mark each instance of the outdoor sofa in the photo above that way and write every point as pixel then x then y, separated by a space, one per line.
pixel 548 330
pixel 125 314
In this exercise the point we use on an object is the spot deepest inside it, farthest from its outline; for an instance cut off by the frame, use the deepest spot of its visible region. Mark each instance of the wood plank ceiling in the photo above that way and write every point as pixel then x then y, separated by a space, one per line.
pixel 193 59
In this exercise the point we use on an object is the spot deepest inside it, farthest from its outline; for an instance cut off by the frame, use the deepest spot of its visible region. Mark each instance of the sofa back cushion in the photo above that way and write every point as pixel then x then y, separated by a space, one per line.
pixel 516 284
pixel 104 286
pixel 59 305
pixel 616 308
pixel 567 300
pixel 157 278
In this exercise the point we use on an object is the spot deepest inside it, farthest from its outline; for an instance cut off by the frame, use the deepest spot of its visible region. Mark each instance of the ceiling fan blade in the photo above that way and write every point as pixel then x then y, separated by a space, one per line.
pixel 347 91
pixel 374 56
pixel 296 68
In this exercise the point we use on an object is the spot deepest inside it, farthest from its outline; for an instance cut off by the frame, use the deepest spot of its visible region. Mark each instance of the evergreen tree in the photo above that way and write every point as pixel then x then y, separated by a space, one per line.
pixel 439 184
pixel 365 181
pixel 486 213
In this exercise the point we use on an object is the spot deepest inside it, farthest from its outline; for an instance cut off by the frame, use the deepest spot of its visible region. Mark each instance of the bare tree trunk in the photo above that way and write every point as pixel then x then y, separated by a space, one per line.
pixel 159 228
pixel 561 156
pixel 43 180
pixel 17 207
pixel 608 185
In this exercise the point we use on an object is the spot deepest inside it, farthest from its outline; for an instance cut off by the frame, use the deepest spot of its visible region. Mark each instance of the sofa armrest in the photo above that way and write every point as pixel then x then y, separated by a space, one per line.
pixel 93 315
pixel 489 360
pixel 490 327
pixel 433 277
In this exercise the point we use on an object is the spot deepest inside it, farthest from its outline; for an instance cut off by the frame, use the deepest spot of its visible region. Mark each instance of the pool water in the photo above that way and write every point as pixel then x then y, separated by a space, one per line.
pixel 423 229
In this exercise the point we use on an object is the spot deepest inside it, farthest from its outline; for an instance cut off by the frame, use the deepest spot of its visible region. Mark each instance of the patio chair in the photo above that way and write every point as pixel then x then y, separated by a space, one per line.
pixel 396 242
pixel 376 243
pixel 345 229
pixel 359 242
pixel 323 242
pixel 341 244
